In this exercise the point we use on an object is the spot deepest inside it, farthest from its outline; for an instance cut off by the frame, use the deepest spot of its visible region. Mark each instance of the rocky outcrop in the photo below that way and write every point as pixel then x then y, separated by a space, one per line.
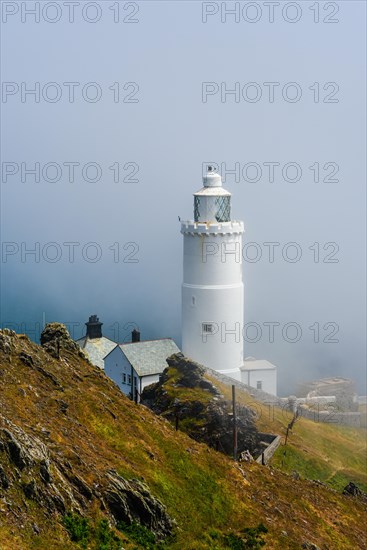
pixel 52 483
pixel 28 465
pixel 36 464
pixel 131 502
pixel 55 338
pixel 6 336
pixel 191 374
pixel 353 490
pixel 23 450
pixel 208 419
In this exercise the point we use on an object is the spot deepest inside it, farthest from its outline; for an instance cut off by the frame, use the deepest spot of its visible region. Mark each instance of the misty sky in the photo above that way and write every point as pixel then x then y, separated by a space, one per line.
pixel 156 123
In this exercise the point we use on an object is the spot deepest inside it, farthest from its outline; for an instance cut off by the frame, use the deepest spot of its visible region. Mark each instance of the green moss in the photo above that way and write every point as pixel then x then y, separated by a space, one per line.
pixel 139 534
pixel 78 528
pixel 250 538
pixel 98 536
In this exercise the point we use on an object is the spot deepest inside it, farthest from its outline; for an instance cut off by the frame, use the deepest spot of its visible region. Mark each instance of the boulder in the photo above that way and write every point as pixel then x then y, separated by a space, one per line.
pixel 131 502
pixel 208 420
pixel 55 338
pixel 6 336
pixel 17 453
pixel 353 490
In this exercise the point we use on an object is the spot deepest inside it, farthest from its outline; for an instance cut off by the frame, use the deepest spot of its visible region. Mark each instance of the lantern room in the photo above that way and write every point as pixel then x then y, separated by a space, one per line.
pixel 212 203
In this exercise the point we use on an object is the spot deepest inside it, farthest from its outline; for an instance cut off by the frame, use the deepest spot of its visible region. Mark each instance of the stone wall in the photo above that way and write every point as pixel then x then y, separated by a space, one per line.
pixel 258 395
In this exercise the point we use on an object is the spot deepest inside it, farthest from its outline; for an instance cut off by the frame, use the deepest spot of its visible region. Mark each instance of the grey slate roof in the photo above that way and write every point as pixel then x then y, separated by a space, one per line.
pixel 96 348
pixel 149 356
pixel 250 363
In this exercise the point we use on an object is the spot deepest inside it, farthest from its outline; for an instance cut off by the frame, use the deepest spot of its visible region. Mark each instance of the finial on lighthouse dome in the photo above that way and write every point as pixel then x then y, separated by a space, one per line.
pixel 212 178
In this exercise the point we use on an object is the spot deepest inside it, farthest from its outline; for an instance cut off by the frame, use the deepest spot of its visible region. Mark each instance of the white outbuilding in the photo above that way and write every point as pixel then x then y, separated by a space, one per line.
pixel 259 374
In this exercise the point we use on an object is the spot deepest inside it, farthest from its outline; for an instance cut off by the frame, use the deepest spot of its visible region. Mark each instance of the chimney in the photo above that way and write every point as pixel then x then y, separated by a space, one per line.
pixel 94 327
pixel 135 335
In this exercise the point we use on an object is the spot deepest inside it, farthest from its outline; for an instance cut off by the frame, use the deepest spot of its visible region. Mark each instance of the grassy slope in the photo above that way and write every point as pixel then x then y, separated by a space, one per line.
pixel 330 453
pixel 204 490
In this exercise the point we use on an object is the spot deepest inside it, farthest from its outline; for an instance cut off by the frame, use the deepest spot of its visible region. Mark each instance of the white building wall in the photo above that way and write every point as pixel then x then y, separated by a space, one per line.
pixel 117 367
pixel 267 378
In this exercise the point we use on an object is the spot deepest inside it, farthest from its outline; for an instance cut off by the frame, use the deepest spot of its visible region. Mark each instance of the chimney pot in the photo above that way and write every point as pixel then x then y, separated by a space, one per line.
pixel 135 335
pixel 94 327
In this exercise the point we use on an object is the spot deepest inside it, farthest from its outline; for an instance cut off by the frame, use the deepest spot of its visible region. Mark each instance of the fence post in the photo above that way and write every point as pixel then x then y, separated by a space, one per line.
pixel 234 422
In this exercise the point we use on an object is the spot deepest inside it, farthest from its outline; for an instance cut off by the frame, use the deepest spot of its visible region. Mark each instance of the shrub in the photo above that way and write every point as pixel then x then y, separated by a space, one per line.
pixel 100 536
pixel 253 536
pixel 78 528
pixel 105 538
pixel 250 538
pixel 139 534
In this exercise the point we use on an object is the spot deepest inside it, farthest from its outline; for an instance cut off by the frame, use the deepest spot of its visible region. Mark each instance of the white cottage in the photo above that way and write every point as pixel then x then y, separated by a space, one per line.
pixel 135 365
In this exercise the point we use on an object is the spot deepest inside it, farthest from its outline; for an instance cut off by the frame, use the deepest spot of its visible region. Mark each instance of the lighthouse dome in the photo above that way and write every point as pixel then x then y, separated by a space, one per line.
pixel 212 178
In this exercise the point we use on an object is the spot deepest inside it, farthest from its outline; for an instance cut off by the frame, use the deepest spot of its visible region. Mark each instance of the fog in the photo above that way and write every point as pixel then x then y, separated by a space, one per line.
pixel 163 127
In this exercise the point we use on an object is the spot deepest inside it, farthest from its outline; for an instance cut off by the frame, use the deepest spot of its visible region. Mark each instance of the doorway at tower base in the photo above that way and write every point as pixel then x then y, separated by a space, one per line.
pixel 256 373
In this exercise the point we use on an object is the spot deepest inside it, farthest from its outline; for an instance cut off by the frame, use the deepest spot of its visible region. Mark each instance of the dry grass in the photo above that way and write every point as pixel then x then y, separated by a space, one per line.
pixel 203 490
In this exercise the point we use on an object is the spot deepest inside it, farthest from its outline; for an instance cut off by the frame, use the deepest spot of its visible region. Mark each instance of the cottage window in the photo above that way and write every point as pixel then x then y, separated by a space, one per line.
pixel 129 379
pixel 124 378
pixel 207 328
pixel 259 385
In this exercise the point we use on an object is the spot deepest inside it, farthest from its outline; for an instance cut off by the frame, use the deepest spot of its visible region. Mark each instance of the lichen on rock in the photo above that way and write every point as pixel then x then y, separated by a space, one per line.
pixel 130 501
pixel 55 338
pixel 6 336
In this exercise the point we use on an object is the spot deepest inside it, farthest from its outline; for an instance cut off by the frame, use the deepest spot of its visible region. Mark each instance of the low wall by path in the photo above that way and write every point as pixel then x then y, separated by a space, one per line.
pixel 259 395
pixel 332 417
pixel 269 451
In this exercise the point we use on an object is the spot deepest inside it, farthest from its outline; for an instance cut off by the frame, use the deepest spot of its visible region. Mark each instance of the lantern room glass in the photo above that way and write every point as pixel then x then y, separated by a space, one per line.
pixel 223 205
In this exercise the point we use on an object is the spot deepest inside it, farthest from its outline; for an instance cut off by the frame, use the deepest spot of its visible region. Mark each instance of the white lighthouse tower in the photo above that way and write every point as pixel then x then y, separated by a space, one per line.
pixel 212 289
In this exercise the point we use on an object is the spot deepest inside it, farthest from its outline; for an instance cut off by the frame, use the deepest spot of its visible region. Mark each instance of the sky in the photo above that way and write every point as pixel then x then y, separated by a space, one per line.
pixel 130 101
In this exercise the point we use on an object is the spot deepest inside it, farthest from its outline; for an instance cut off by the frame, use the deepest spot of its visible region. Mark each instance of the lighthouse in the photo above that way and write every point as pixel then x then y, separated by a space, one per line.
pixel 212 288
